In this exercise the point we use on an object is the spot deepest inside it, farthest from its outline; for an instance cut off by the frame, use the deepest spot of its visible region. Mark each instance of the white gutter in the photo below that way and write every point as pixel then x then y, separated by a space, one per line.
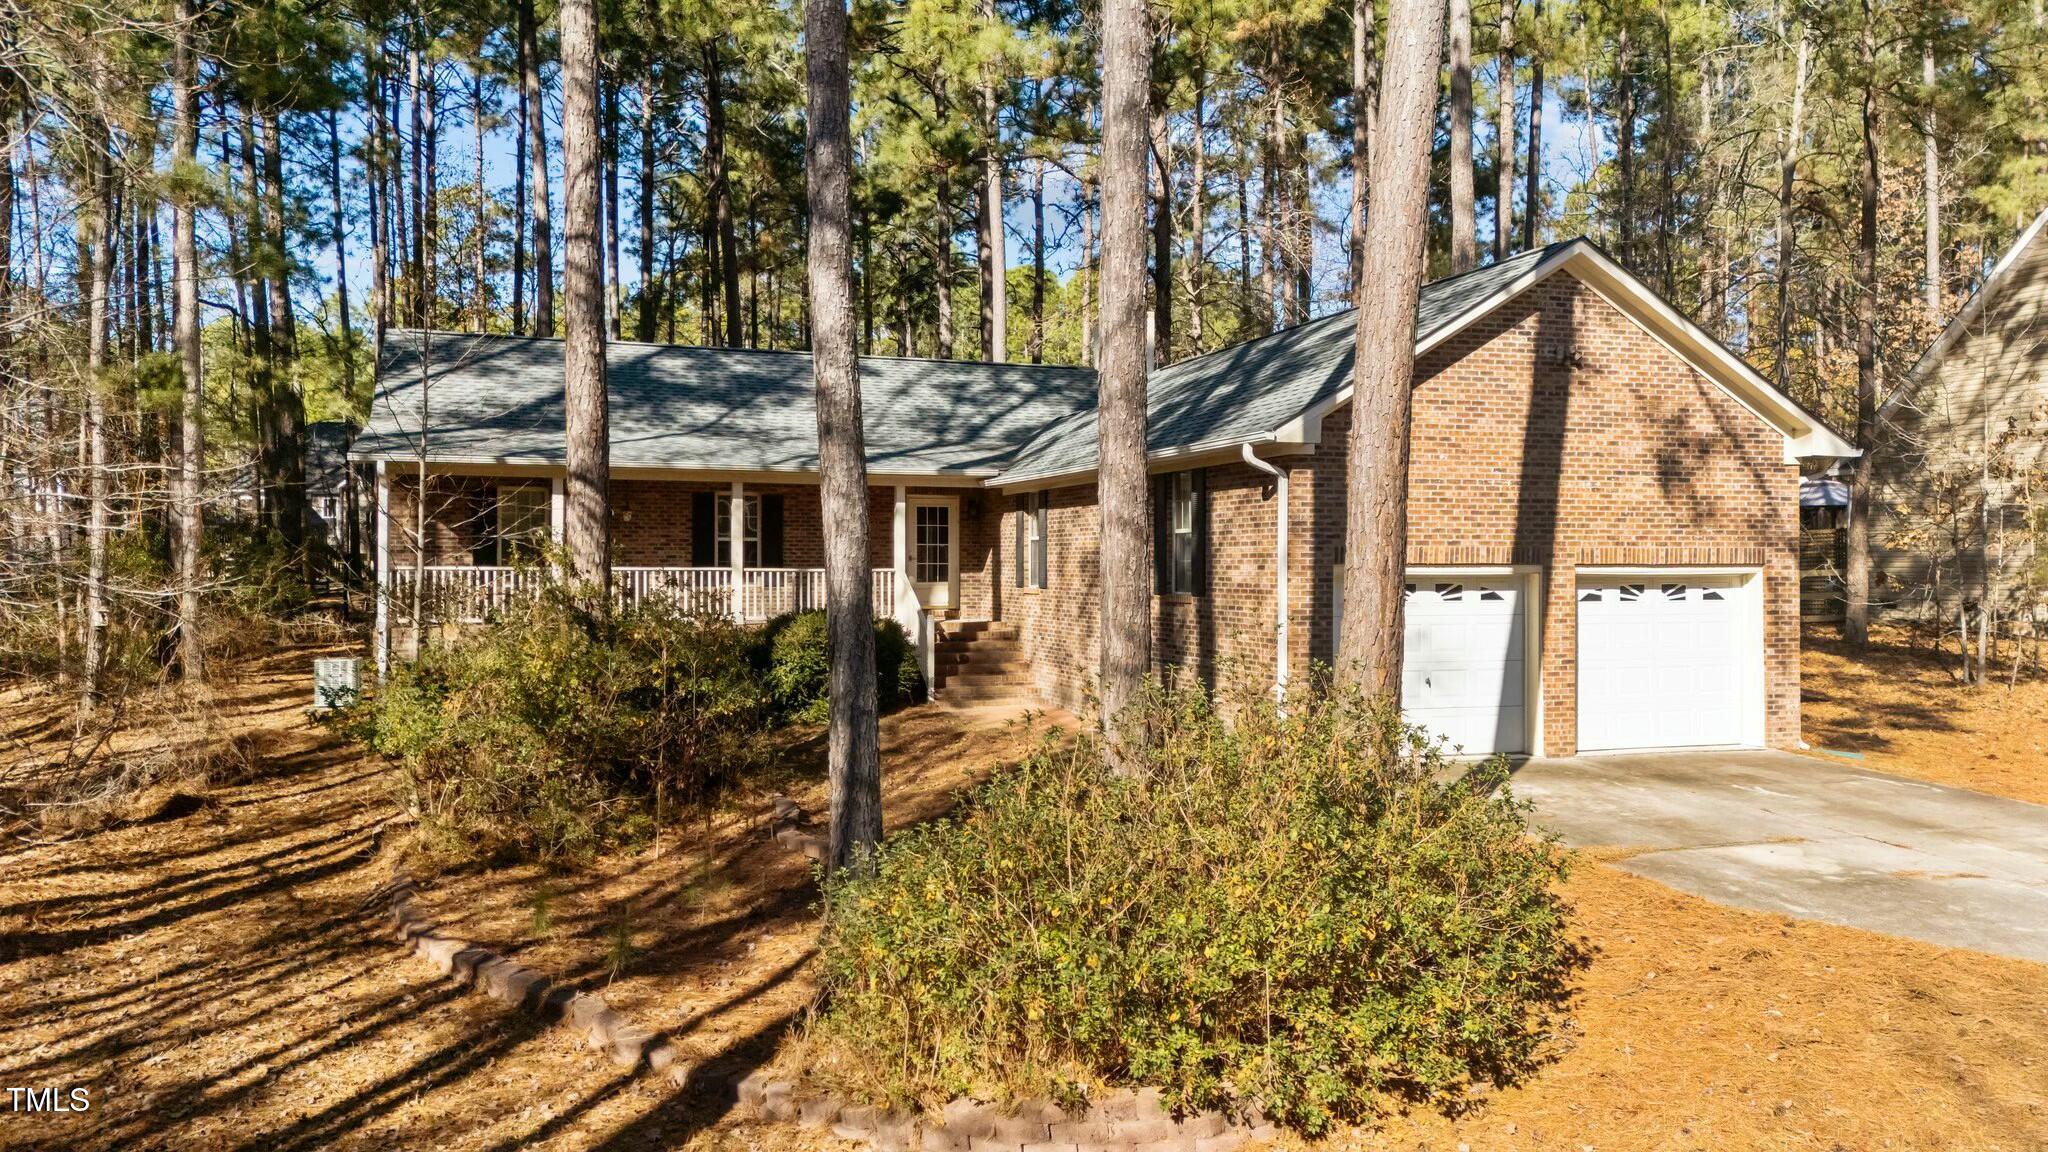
pixel 1279 476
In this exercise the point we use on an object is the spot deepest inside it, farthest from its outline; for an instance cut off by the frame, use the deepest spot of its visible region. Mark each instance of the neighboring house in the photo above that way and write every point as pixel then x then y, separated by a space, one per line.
pixel 331 484
pixel 1603 543
pixel 1958 514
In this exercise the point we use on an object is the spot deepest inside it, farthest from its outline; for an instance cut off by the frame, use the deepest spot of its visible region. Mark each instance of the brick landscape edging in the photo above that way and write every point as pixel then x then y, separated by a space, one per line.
pixel 1123 1121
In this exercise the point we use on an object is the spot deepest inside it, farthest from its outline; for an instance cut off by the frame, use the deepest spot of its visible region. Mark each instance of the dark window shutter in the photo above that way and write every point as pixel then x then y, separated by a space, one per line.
pixel 1018 504
pixel 704 529
pixel 771 531
pixel 1044 539
pixel 1201 574
pixel 1162 533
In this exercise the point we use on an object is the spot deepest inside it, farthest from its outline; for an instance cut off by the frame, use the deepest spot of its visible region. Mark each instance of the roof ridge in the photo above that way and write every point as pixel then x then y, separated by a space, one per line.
pixel 720 348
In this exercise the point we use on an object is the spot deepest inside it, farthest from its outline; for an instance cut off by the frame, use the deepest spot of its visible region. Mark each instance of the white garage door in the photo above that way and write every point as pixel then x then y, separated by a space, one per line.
pixel 1462 664
pixel 1662 663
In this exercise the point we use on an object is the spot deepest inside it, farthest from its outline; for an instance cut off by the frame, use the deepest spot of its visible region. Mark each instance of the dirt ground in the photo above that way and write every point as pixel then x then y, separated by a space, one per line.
pixel 213 980
pixel 1900 710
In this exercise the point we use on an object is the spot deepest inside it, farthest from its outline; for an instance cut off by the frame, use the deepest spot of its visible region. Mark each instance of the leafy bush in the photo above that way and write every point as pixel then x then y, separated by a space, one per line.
pixel 1301 908
pixel 555 733
pixel 800 667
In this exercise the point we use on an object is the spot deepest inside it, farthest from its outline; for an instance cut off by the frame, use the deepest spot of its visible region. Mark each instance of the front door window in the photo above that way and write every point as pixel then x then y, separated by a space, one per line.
pixel 932 556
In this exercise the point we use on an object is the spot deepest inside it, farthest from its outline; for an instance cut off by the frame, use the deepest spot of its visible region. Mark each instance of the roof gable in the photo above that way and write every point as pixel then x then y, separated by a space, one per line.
pixel 1278 388
pixel 1979 312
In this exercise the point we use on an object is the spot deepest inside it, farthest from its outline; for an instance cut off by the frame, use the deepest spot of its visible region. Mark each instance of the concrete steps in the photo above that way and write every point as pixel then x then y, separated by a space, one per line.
pixel 980 662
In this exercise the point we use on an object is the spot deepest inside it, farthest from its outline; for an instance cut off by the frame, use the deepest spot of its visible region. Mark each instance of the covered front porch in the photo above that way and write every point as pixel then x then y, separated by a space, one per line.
pixel 477 545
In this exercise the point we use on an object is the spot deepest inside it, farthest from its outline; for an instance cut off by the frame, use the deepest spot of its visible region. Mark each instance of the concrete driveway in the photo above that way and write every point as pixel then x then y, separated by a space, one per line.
pixel 1811 838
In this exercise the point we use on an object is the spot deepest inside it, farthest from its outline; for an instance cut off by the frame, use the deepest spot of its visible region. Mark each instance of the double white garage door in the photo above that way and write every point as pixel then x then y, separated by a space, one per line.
pixel 1661 663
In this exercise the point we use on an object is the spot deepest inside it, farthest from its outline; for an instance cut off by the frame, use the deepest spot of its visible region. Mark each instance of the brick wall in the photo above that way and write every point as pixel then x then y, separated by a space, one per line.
pixel 1555 433
pixel 1223 637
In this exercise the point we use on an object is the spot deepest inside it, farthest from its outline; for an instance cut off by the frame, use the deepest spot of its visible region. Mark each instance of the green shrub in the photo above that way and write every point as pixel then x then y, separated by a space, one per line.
pixel 800 668
pixel 553 733
pixel 1290 909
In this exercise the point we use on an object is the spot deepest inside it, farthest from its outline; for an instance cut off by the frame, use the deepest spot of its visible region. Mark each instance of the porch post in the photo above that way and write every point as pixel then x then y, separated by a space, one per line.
pixel 899 555
pixel 383 572
pixel 558 508
pixel 738 558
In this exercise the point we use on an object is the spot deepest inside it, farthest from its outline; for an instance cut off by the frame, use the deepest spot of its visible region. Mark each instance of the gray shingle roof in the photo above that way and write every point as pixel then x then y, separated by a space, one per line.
pixel 1243 392
pixel 498 399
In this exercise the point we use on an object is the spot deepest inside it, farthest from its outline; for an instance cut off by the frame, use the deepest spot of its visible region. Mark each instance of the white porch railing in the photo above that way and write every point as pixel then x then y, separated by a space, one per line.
pixel 470 593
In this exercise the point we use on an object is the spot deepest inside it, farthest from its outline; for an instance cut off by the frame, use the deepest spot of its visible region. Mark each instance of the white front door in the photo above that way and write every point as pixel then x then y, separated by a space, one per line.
pixel 935 551
pixel 1664 662
pixel 1463 665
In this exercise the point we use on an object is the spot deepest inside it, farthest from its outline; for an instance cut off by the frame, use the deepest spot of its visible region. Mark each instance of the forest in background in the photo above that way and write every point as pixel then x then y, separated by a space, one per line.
pixel 317 175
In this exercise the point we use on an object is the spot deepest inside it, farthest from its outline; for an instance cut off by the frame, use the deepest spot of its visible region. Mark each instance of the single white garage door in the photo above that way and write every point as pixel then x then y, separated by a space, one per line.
pixel 1662 663
pixel 1462 663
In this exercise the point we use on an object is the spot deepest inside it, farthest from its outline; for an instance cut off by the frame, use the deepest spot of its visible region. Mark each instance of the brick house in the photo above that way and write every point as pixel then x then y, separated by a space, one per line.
pixel 1603 505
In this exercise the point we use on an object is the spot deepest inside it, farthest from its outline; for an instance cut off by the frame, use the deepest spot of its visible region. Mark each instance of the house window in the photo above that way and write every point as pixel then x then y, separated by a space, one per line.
pixel 1031 539
pixel 522 527
pixel 751 531
pixel 1180 531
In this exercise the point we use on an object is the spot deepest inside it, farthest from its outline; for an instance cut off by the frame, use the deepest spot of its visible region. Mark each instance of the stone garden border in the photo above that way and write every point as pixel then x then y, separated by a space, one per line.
pixel 1124 1121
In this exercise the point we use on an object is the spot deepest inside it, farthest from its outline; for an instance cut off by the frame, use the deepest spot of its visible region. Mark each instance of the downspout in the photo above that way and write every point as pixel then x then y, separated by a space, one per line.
pixel 1279 476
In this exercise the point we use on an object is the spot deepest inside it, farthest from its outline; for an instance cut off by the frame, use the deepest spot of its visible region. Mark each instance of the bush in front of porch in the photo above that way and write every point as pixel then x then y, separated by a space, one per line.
pixel 799 667
pixel 552 733
pixel 1303 909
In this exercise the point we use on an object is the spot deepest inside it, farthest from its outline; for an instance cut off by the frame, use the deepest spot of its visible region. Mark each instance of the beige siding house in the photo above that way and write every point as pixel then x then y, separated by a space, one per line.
pixel 1959 510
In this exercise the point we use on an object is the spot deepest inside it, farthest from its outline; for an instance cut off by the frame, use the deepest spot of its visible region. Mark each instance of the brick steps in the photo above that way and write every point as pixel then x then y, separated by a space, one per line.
pixel 980 662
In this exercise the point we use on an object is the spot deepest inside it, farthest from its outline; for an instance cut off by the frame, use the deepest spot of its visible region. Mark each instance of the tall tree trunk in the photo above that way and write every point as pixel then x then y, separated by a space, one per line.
pixel 429 95
pixel 378 159
pixel 1090 273
pixel 1625 145
pixel 984 268
pixel 613 301
pixel 1504 138
pixel 1376 490
pixel 264 393
pixel 1532 190
pixel 1197 262
pixel 100 226
pixel 721 189
pixel 1668 148
pixel 1036 350
pixel 1125 551
pixel 537 179
pixel 1856 570
pixel 1714 297
pixel 1931 189
pixel 523 42
pixel 587 532
pixel 418 292
pixel 942 287
pixel 1464 221
pixel 1271 260
pixel 995 294
pixel 1244 241
pixel 853 752
pixel 337 235
pixel 1363 82
pixel 650 294
pixel 288 408
pixel 1788 170
pixel 189 522
pixel 1280 206
pixel 482 297
pixel 1162 234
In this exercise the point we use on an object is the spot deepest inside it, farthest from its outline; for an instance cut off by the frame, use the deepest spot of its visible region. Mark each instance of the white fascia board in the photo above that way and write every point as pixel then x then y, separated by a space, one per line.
pixel 1804 435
